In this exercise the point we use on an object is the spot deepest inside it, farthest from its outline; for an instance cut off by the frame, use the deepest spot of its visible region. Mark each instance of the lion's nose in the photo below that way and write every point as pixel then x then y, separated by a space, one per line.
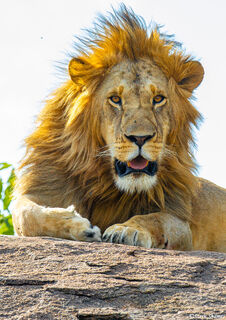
pixel 140 140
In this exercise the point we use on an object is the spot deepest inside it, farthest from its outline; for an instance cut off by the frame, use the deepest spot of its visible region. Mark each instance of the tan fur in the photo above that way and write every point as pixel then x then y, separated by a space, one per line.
pixel 70 156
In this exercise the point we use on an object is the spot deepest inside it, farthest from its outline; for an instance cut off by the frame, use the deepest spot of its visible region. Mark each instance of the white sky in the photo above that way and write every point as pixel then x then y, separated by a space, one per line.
pixel 36 33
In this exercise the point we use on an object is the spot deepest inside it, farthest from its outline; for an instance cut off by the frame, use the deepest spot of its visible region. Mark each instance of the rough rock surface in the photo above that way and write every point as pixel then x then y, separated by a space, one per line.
pixel 45 278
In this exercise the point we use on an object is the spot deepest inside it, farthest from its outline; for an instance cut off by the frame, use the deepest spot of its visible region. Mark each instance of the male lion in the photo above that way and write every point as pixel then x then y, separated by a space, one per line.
pixel 112 147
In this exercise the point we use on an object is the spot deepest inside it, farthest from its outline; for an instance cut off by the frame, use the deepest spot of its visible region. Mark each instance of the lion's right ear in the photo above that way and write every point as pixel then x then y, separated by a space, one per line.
pixel 78 70
pixel 191 75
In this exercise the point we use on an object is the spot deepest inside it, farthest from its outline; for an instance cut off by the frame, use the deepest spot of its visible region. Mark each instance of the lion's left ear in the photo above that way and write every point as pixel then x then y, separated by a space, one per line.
pixel 191 76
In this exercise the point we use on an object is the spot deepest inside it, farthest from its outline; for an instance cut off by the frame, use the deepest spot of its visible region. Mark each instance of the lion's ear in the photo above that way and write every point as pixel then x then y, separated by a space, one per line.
pixel 78 69
pixel 192 75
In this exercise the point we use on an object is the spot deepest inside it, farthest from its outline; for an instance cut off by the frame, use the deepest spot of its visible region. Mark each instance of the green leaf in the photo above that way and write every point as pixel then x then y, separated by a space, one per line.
pixel 6 189
pixel 4 165
pixel 1 187
pixel 6 225
pixel 7 198
pixel 11 178
pixel 7 194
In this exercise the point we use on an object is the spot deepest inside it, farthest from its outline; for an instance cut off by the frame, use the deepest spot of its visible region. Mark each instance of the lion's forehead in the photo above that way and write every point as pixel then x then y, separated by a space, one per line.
pixel 137 77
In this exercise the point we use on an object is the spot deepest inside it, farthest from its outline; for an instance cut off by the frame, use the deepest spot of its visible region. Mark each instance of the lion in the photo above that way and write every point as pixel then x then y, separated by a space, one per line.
pixel 111 157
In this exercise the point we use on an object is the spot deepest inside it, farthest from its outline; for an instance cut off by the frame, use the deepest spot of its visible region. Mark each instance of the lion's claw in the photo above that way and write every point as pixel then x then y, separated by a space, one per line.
pixel 127 235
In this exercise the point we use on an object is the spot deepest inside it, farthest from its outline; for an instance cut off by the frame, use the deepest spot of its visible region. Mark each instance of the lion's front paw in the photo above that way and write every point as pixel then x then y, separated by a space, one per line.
pixel 82 230
pixel 128 235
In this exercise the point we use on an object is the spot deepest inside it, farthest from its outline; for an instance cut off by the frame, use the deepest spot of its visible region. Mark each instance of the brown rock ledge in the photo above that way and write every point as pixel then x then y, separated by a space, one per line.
pixel 46 278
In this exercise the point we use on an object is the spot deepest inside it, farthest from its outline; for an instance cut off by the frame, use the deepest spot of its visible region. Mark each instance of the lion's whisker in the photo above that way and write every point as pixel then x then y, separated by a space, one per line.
pixel 105 151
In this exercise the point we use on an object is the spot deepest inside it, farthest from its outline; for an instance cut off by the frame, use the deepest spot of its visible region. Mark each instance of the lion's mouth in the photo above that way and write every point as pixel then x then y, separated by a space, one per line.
pixel 137 165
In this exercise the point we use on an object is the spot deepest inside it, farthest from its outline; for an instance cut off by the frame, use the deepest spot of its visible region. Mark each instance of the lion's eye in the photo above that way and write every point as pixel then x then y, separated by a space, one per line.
pixel 115 99
pixel 158 99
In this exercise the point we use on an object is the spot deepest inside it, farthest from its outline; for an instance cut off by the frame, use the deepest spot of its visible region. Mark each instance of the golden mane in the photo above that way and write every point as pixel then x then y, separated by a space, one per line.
pixel 63 160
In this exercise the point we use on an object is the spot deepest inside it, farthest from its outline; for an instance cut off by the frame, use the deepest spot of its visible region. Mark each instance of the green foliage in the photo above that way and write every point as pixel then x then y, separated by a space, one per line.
pixel 6 189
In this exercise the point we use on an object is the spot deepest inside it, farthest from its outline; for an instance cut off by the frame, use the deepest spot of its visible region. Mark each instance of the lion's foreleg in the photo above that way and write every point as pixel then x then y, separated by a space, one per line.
pixel 31 219
pixel 155 230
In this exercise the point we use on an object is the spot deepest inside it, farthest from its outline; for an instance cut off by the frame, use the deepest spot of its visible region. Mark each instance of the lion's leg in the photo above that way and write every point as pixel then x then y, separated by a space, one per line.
pixel 155 230
pixel 31 219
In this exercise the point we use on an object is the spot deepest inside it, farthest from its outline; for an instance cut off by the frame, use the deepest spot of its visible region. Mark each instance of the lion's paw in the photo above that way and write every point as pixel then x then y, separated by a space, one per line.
pixel 82 230
pixel 127 235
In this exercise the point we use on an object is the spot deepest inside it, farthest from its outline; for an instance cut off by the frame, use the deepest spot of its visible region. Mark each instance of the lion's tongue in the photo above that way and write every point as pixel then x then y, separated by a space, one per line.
pixel 138 163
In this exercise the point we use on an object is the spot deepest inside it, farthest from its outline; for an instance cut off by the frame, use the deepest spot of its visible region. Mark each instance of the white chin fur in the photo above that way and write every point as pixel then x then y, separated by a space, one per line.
pixel 133 184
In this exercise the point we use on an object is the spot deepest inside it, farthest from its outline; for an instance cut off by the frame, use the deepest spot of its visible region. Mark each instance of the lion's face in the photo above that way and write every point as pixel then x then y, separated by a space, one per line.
pixel 135 122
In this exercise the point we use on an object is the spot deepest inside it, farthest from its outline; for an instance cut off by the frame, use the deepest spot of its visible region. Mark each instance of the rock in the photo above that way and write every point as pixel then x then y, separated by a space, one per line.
pixel 46 278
